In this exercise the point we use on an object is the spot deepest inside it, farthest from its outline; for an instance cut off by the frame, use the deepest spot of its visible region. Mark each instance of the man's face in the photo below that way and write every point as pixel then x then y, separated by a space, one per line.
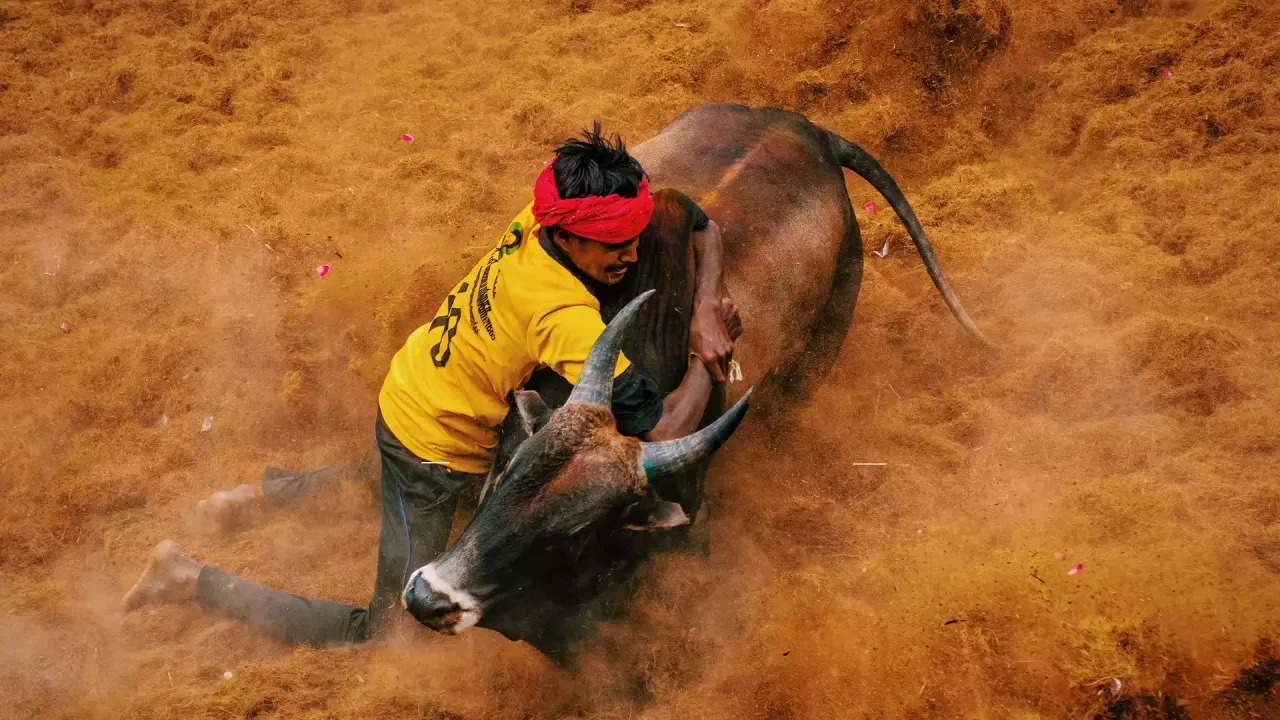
pixel 606 263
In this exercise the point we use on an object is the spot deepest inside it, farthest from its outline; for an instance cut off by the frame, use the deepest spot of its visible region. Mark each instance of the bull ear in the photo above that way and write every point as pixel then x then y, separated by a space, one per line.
pixel 654 514
pixel 534 413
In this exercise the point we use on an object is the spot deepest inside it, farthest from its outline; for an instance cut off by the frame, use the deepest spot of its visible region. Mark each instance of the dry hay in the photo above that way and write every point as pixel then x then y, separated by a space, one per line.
pixel 171 172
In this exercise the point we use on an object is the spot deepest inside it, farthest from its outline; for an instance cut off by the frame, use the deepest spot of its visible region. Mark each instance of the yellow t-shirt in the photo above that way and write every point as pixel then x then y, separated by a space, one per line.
pixel 445 396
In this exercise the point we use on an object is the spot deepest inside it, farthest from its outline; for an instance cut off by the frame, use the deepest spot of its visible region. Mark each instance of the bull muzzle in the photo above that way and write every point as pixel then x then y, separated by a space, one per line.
pixel 437 604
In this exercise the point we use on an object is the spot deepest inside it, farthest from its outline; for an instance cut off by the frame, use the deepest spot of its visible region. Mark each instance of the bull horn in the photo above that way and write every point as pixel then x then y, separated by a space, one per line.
pixel 661 458
pixel 595 384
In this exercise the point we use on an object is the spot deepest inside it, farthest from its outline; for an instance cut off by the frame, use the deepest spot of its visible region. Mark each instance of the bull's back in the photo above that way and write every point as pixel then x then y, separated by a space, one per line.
pixel 771 181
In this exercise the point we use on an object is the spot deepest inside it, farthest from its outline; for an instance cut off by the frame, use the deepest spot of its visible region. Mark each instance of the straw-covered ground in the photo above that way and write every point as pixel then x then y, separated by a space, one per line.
pixel 1099 179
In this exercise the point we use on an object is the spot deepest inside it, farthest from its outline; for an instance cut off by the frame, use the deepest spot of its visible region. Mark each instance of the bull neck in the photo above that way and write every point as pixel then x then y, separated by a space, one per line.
pixel 549 245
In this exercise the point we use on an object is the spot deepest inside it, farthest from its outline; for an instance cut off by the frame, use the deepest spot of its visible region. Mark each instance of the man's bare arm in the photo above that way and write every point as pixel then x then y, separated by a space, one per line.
pixel 709 336
pixel 708 248
pixel 684 406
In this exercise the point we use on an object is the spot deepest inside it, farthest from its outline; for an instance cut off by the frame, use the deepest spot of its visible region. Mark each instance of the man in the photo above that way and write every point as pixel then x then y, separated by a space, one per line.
pixel 531 303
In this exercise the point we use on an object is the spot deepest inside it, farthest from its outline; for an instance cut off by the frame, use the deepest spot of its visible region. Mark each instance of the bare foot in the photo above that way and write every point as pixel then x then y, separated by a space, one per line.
pixel 170 576
pixel 230 510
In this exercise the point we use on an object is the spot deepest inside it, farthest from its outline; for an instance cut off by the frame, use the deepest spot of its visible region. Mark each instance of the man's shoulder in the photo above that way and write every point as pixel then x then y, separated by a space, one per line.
pixel 522 227
pixel 539 284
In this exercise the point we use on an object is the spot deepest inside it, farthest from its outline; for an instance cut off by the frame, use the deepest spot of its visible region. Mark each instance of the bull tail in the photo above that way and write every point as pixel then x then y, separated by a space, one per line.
pixel 860 161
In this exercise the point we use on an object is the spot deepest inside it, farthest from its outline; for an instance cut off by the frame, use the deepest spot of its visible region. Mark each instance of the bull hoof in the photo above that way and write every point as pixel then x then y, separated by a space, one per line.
pixel 169 577
pixel 230 510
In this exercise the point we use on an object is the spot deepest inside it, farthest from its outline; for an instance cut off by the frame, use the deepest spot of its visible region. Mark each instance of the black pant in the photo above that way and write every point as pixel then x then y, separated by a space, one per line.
pixel 283 488
pixel 418 502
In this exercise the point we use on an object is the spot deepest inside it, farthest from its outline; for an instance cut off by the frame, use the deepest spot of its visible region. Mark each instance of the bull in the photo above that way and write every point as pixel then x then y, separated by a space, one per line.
pixel 571 506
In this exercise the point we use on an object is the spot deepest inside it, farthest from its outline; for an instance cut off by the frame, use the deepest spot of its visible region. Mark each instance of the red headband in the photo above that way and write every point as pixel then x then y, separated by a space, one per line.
pixel 607 219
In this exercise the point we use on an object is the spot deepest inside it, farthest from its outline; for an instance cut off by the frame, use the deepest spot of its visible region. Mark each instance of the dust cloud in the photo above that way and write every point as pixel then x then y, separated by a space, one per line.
pixel 1099 179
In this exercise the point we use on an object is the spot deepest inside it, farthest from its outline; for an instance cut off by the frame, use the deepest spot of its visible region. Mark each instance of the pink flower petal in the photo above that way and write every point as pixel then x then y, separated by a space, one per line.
pixel 1166 72
pixel 407 137
pixel 64 327
pixel 1079 568
pixel 870 207
pixel 322 270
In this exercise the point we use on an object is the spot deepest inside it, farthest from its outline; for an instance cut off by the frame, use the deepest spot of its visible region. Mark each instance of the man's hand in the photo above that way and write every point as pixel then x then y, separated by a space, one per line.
pixel 729 314
pixel 714 327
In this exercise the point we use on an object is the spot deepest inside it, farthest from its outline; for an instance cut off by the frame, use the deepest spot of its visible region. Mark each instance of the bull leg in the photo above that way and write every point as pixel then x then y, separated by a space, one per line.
pixel 803 374
pixel 660 342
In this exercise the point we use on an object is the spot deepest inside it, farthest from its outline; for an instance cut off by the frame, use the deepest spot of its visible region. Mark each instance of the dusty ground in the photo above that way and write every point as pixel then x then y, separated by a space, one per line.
pixel 1099 178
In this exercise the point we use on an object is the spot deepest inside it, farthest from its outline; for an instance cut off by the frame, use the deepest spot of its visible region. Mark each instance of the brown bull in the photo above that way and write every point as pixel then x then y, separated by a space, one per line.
pixel 561 523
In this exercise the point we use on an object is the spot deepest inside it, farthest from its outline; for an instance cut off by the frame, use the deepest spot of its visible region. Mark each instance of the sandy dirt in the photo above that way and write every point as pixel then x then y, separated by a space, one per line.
pixel 1099 179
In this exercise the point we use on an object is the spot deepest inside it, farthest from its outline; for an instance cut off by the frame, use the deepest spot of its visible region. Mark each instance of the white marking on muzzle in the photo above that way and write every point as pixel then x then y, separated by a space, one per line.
pixel 470 606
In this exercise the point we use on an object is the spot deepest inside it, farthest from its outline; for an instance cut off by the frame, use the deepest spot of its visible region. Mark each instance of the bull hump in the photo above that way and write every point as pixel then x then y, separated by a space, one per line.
pixel 753 156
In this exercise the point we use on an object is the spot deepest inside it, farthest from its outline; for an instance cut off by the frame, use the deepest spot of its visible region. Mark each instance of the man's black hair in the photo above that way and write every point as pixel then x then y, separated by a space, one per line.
pixel 595 165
